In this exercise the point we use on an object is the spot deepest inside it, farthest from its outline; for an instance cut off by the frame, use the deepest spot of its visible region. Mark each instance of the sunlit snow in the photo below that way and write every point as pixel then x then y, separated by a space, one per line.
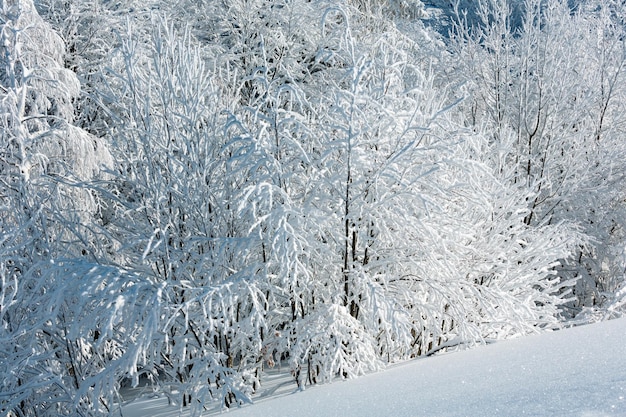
pixel 573 372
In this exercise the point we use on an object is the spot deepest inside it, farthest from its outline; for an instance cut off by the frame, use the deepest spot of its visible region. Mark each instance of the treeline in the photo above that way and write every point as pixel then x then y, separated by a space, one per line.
pixel 192 191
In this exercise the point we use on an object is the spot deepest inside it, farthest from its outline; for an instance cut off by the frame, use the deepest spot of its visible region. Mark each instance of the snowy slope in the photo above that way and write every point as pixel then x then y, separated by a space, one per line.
pixel 574 372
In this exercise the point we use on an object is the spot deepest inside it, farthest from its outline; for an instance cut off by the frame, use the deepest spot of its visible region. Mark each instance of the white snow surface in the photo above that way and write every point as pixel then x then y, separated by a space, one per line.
pixel 579 371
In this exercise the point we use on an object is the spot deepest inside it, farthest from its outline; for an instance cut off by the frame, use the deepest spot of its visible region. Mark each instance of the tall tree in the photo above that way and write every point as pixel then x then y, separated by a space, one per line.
pixel 548 93
pixel 46 216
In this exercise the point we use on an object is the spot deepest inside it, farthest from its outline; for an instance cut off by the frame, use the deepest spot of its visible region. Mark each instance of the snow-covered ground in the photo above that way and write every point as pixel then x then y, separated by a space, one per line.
pixel 573 372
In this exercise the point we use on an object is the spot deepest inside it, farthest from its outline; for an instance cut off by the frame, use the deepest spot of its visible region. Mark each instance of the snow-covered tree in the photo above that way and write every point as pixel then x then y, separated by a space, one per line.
pixel 552 84
pixel 184 206
pixel 44 160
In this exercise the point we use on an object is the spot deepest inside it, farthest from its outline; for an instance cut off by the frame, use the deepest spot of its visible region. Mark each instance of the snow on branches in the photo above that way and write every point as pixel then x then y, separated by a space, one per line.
pixel 311 184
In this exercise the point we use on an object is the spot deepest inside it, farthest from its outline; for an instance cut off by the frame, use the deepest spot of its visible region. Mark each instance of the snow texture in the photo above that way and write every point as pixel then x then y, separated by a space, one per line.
pixel 573 372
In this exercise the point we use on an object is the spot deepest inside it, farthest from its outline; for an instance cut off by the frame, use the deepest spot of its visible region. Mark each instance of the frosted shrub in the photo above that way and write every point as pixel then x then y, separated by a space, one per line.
pixel 330 343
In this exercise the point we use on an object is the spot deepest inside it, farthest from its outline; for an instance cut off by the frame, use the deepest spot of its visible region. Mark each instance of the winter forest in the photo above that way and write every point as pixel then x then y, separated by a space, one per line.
pixel 192 191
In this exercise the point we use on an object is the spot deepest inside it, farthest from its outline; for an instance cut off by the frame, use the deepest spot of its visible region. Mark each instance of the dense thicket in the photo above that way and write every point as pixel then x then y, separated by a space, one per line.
pixel 190 193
